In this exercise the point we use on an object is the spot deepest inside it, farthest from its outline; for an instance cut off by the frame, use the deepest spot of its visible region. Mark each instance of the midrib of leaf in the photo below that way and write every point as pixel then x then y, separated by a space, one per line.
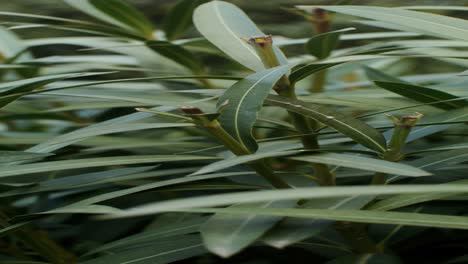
pixel 336 120
pixel 162 254
pixel 236 116
pixel 443 160
pixel 338 160
pixel 218 15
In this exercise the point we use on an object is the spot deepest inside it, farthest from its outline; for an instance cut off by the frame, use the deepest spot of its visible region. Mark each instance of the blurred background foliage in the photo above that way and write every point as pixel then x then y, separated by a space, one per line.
pixel 270 15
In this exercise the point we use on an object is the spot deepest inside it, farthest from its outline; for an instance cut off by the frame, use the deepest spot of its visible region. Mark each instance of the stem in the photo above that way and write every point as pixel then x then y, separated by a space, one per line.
pixel 356 234
pixel 321 22
pixel 403 127
pixel 215 129
pixel 318 84
pixel 307 127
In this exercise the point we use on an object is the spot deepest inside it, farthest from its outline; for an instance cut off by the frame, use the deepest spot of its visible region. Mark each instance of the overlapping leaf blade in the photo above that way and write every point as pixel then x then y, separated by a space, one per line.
pixel 240 104
pixel 227 27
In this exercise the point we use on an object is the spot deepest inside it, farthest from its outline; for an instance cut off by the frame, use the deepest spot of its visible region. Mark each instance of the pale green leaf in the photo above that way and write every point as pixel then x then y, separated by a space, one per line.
pixel 364 163
pixel 419 22
pixel 19 170
pixel 226 26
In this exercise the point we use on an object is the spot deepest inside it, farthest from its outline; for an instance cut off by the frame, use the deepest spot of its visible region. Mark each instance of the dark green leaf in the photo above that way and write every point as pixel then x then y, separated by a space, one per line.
pixel 176 53
pixel 322 45
pixel 116 12
pixel 423 94
pixel 349 126
pixel 242 101
pixel 179 18
pixel 226 234
pixel 307 70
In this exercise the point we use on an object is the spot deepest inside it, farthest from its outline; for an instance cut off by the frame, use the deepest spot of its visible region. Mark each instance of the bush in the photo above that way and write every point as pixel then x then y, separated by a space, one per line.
pixel 129 143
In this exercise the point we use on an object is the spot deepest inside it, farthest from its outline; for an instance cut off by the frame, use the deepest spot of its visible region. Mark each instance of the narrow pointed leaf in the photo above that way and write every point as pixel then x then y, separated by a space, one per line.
pixel 423 94
pixel 419 22
pixel 289 194
pixel 358 216
pixel 236 160
pixel 16 170
pixel 308 70
pixel 294 230
pixel 160 252
pixel 179 18
pixel 13 156
pixel 349 126
pixel 242 101
pixel 176 53
pixel 322 45
pixel 410 199
pixel 10 91
pixel 226 234
pixel 116 12
pixel 364 163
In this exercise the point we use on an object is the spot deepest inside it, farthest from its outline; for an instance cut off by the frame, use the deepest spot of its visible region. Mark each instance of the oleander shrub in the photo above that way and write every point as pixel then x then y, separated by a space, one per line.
pixel 336 134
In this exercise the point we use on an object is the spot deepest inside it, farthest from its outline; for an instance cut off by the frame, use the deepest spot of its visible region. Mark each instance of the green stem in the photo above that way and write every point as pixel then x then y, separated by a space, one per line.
pixel 306 126
pixel 318 84
pixel 403 127
pixel 214 128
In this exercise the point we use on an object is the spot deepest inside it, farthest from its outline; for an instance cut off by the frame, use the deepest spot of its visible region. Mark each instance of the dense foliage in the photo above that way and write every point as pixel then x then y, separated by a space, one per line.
pixel 124 141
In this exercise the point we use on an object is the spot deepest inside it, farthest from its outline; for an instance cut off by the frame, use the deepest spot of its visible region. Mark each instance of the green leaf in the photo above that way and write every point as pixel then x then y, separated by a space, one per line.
pixel 293 230
pixel 349 126
pixel 116 12
pixel 14 156
pixel 179 18
pixel 420 22
pixel 226 234
pixel 307 70
pixel 226 26
pixel 18 170
pixel 110 129
pixel 86 180
pixel 176 53
pixel 14 50
pixel 158 233
pixel 242 101
pixel 236 160
pixel 160 252
pixel 423 94
pixel 10 91
pixel 376 75
pixel 154 185
pixel 403 200
pixel 285 194
pixel 358 216
pixel 364 163
pixel 322 45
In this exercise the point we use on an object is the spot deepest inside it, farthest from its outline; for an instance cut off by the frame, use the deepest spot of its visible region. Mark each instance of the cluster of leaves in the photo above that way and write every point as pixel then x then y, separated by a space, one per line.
pixel 141 146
